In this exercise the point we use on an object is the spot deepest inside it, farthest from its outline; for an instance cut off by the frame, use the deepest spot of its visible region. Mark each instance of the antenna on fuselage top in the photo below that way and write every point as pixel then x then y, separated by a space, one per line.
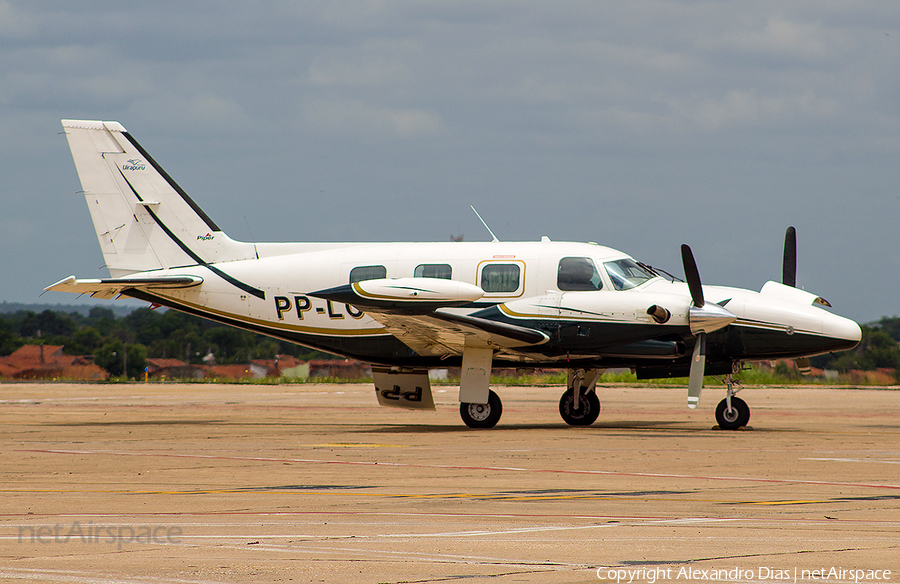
pixel 493 237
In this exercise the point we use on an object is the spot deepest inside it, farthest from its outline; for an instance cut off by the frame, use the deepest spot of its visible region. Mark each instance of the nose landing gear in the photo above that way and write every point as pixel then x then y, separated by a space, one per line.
pixel 732 412
pixel 585 413
pixel 579 404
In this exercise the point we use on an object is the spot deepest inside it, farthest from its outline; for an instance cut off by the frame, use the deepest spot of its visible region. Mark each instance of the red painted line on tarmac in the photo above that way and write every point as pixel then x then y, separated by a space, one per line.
pixel 288 515
pixel 465 467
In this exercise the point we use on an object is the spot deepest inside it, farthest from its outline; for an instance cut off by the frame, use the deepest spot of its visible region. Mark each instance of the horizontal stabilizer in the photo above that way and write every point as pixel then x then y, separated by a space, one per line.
pixel 107 288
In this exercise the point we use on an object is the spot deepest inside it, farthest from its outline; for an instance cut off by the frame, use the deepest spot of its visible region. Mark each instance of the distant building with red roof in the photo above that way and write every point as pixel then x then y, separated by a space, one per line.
pixel 173 369
pixel 49 362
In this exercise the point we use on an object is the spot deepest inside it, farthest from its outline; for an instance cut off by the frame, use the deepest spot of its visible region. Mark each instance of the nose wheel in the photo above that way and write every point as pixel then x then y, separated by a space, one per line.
pixel 579 404
pixel 732 412
pixel 583 414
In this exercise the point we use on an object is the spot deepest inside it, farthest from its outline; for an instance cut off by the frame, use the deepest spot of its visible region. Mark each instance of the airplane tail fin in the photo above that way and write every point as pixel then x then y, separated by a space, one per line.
pixel 144 220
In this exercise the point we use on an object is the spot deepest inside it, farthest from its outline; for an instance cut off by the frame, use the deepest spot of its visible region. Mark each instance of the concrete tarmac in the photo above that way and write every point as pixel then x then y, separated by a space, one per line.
pixel 187 484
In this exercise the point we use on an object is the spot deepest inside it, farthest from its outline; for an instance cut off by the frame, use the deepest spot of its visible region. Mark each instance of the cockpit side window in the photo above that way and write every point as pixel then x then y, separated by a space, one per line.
pixel 627 274
pixel 578 274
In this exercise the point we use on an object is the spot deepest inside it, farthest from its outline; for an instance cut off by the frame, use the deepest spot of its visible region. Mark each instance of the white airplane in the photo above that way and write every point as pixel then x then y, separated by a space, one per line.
pixel 410 307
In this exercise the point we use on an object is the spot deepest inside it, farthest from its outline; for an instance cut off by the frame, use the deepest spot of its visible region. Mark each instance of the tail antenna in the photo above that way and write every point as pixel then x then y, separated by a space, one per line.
pixel 493 237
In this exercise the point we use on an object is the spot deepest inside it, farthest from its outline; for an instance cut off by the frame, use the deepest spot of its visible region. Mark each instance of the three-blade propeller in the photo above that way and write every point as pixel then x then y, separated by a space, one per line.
pixel 706 318
pixel 698 359
pixel 703 318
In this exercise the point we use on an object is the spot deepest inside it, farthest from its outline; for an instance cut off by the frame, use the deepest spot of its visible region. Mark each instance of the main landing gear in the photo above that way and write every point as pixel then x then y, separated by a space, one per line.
pixel 579 404
pixel 482 415
pixel 732 412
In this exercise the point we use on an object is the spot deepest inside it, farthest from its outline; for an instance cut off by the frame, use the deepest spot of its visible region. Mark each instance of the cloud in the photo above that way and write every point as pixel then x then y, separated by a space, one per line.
pixel 742 109
pixel 206 112
pixel 778 40
pixel 357 118
pixel 366 70
pixel 16 23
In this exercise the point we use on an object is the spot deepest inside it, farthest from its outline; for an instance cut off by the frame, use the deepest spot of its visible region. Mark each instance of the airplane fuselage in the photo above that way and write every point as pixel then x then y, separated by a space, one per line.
pixel 601 328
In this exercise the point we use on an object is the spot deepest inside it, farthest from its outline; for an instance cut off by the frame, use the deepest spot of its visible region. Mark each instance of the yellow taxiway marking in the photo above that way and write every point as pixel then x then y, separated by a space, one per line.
pixel 783 502
pixel 355 445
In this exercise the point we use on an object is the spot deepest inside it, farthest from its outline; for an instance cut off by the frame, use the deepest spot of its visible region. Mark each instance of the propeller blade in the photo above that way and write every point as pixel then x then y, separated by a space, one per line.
pixel 789 265
pixel 803 366
pixel 692 275
pixel 698 367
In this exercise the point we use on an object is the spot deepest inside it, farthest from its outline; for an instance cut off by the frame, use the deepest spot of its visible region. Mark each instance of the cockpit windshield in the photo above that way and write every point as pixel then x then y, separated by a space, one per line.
pixel 626 274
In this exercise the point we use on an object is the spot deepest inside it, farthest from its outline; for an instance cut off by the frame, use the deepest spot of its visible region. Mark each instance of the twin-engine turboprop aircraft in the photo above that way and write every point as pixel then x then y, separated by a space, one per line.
pixel 407 308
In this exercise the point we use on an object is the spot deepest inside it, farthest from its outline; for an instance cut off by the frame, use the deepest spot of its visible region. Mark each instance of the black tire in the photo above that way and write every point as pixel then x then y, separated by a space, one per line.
pixel 482 415
pixel 587 412
pixel 736 418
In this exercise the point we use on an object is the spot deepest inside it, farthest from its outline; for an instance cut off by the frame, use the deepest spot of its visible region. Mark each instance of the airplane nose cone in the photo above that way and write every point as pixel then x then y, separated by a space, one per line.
pixel 842 329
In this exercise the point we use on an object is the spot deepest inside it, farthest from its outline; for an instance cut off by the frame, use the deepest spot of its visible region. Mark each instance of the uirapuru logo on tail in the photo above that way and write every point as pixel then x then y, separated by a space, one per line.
pixel 134 164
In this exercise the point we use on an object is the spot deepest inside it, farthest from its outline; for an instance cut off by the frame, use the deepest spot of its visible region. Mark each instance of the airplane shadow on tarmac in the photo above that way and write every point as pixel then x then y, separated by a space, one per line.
pixel 446 428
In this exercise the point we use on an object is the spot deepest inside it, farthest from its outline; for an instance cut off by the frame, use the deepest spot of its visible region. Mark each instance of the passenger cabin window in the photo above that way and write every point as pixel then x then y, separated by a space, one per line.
pixel 500 277
pixel 361 273
pixel 627 274
pixel 578 274
pixel 433 271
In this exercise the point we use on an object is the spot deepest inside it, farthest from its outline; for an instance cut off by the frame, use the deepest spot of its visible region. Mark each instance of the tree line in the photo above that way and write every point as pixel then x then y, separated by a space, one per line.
pixel 130 339
pixel 878 349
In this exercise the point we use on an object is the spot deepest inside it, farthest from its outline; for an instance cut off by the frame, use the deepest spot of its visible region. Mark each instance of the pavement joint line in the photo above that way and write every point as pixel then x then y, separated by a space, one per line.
pixel 875 460
pixel 359 493
pixel 420 556
pixel 290 514
pixel 70 576
pixel 464 467
pixel 447 534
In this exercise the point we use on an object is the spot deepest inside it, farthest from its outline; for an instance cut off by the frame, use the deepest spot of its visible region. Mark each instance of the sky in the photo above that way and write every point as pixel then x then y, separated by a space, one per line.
pixel 640 125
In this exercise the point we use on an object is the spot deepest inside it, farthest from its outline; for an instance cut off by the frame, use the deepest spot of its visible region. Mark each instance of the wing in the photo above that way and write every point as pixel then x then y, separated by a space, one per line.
pixel 415 311
pixel 111 287
pixel 441 333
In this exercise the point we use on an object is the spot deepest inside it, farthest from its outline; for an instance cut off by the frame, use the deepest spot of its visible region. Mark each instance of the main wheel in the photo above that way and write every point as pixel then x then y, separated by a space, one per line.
pixel 734 419
pixel 482 415
pixel 587 412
